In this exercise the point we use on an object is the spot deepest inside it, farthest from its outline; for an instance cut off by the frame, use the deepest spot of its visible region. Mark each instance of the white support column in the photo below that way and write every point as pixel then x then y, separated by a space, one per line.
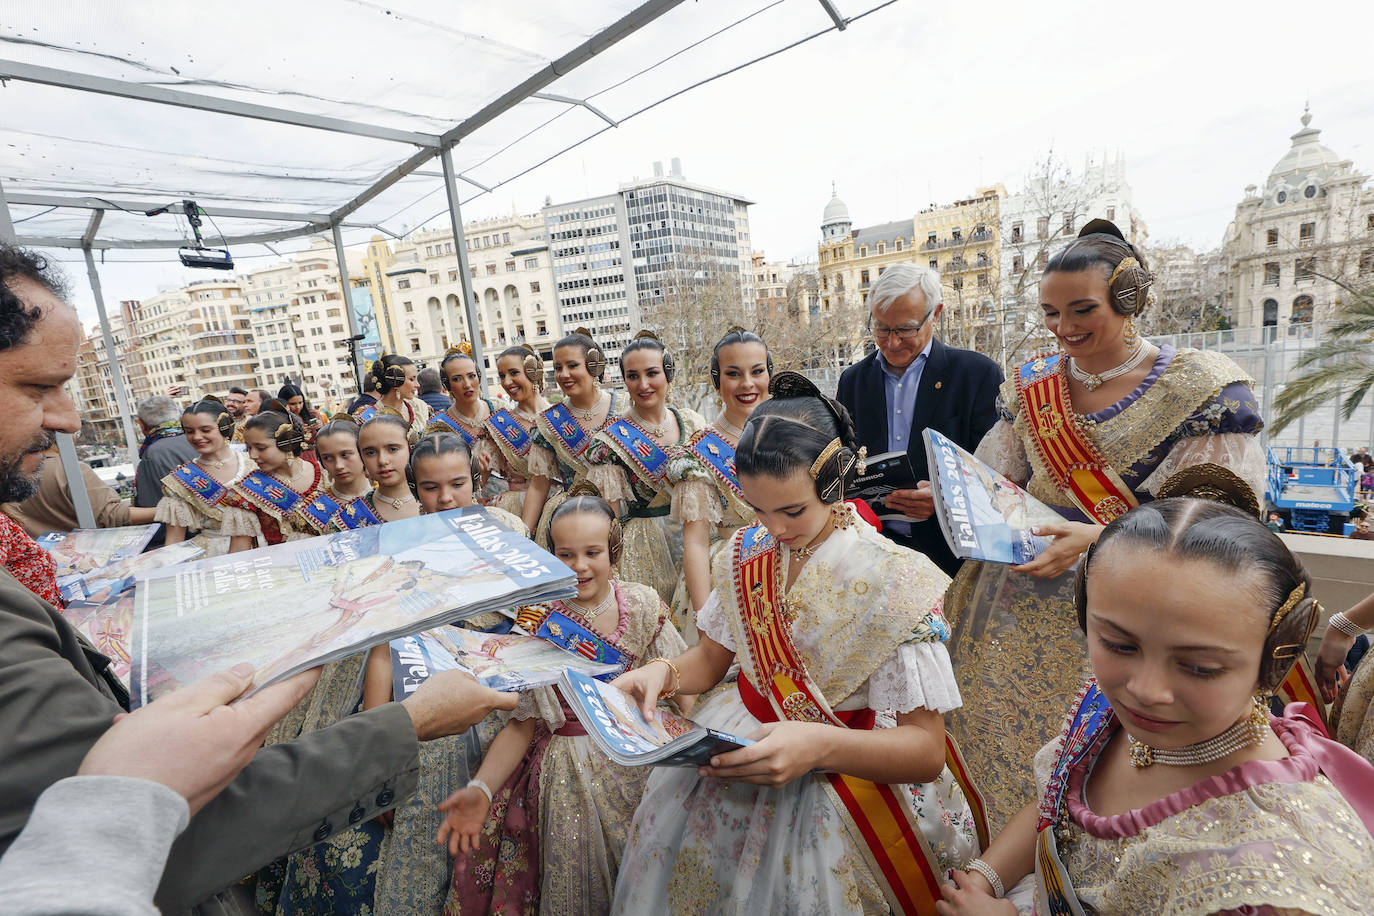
pixel 356 349
pixel 126 413
pixel 455 215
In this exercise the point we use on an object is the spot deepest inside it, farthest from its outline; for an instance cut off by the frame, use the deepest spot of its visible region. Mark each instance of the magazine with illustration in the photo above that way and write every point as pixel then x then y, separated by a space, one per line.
pixel 883 474
pixel 983 515
pixel 509 662
pixel 615 724
pixel 303 603
pixel 83 555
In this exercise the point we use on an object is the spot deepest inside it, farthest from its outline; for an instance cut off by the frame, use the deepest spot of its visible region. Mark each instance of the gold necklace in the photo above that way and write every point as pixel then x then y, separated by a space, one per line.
pixel 1243 733
pixel 588 614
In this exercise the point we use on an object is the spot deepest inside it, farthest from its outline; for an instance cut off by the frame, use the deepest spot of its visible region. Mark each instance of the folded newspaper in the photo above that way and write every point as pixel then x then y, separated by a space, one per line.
pixel 303 603
pixel 615 725
pixel 983 515
pixel 84 555
pixel 508 662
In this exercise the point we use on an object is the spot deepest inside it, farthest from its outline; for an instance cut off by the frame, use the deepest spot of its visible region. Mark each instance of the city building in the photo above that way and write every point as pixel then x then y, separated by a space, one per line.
pixel 651 247
pixel 1313 220
pixel 512 282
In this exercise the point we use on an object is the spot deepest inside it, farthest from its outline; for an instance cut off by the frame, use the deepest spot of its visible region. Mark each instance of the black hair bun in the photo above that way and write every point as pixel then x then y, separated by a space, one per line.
pixel 790 384
pixel 1101 227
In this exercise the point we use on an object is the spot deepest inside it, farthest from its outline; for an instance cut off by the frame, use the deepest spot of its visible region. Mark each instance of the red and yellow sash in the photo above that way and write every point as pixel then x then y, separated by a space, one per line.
pixel 1065 448
pixel 879 816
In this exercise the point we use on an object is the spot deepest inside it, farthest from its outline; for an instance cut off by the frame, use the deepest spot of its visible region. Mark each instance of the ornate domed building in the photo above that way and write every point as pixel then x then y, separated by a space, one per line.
pixel 1313 219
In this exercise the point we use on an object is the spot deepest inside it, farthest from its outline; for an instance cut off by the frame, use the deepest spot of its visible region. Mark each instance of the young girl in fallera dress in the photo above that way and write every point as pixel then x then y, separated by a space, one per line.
pixel 564 431
pixel 542 826
pixel 194 494
pixel 628 462
pixel 268 505
pixel 505 449
pixel 706 493
pixel 1172 788
pixel 843 681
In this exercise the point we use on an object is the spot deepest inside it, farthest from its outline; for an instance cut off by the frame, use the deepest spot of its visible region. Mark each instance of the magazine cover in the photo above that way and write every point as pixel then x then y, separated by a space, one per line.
pixel 983 515
pixel 883 474
pixel 85 552
pixel 508 662
pixel 616 725
pixel 302 603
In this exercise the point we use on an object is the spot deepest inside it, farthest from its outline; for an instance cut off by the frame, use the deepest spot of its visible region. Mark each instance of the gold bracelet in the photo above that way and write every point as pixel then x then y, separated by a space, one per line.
pixel 677 678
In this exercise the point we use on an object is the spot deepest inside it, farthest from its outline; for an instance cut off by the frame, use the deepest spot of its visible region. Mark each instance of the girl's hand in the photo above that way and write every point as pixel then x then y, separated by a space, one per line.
pixel 466 813
pixel 1335 646
pixel 645 685
pixel 1071 540
pixel 782 752
pixel 966 897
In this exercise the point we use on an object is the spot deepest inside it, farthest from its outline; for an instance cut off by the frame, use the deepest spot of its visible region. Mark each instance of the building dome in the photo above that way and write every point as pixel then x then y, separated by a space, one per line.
pixel 1307 156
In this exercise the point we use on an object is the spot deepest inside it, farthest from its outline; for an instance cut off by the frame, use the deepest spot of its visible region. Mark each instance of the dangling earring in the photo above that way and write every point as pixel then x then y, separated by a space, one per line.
pixel 1130 334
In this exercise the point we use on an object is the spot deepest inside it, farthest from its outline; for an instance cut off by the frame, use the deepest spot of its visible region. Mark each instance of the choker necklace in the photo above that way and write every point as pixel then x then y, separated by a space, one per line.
pixel 206 462
pixel 1244 733
pixel 588 614
pixel 395 502
pixel 1095 380
pixel 590 412
pixel 730 429
pixel 657 430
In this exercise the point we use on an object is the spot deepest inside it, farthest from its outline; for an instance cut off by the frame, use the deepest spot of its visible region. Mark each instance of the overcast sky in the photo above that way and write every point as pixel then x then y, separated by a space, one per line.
pixel 923 101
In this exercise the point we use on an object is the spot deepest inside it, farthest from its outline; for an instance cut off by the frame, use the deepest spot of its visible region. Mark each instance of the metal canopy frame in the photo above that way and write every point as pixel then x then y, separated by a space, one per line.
pixel 428 147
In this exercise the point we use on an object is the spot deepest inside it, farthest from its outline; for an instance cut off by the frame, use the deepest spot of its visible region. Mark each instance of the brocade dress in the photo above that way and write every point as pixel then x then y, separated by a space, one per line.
pixel 1017 650
pixel 863 616
pixel 556 833
pixel 628 468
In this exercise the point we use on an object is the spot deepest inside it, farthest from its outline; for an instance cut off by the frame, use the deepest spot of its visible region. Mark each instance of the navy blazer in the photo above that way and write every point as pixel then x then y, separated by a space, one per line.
pixel 957 396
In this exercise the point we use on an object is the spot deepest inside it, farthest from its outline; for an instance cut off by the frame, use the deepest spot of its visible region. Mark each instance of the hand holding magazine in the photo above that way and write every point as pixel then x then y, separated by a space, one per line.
pixel 509 662
pixel 615 725
pixel 983 515
pixel 303 603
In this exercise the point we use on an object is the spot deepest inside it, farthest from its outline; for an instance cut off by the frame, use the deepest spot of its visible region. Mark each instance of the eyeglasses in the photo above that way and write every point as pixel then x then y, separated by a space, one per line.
pixel 905 332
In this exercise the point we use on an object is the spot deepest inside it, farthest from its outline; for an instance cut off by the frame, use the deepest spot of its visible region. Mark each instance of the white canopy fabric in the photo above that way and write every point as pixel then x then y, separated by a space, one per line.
pixel 290 118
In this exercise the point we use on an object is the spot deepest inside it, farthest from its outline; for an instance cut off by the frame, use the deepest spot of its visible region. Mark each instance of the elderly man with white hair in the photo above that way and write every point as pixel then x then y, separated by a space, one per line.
pixel 910 382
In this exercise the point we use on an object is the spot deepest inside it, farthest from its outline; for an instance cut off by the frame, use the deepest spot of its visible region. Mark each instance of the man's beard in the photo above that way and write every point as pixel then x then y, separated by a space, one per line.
pixel 15 485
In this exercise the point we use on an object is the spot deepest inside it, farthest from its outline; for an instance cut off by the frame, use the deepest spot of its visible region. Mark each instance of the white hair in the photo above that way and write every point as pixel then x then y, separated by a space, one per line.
pixel 158 409
pixel 900 279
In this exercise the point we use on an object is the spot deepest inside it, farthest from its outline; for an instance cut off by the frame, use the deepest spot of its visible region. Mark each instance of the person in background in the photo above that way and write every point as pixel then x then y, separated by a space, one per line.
pixel 432 390
pixel 913 381
pixel 52 508
pixel 256 400
pixel 164 449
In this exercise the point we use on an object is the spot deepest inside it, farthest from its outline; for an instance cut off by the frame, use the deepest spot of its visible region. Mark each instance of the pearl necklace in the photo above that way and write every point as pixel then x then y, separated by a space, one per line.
pixel 588 614
pixel 1095 380
pixel 1242 734
pixel 589 412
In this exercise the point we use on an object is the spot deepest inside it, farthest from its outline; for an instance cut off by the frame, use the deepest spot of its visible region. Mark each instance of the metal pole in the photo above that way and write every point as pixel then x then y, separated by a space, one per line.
pixel 76 481
pixel 348 308
pixel 112 357
pixel 7 235
pixel 455 216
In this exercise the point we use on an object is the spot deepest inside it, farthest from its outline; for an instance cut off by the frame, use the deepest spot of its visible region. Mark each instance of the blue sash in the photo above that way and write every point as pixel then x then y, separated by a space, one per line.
pixel 443 417
pixel 355 514
pixel 200 484
pixel 269 494
pixel 514 435
pixel 319 512
pixel 719 455
pixel 566 633
pixel 567 429
pixel 639 449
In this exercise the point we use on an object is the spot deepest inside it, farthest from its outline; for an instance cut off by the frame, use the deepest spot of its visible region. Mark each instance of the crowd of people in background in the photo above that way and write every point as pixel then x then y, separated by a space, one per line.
pixel 1126 723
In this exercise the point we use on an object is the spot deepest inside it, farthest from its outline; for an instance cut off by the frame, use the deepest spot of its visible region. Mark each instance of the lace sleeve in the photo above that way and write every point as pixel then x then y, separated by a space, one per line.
pixel 1004 452
pixel 694 501
pixel 1239 453
pixel 918 675
pixel 711 621
pixel 612 481
pixel 240 523
pixel 173 511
